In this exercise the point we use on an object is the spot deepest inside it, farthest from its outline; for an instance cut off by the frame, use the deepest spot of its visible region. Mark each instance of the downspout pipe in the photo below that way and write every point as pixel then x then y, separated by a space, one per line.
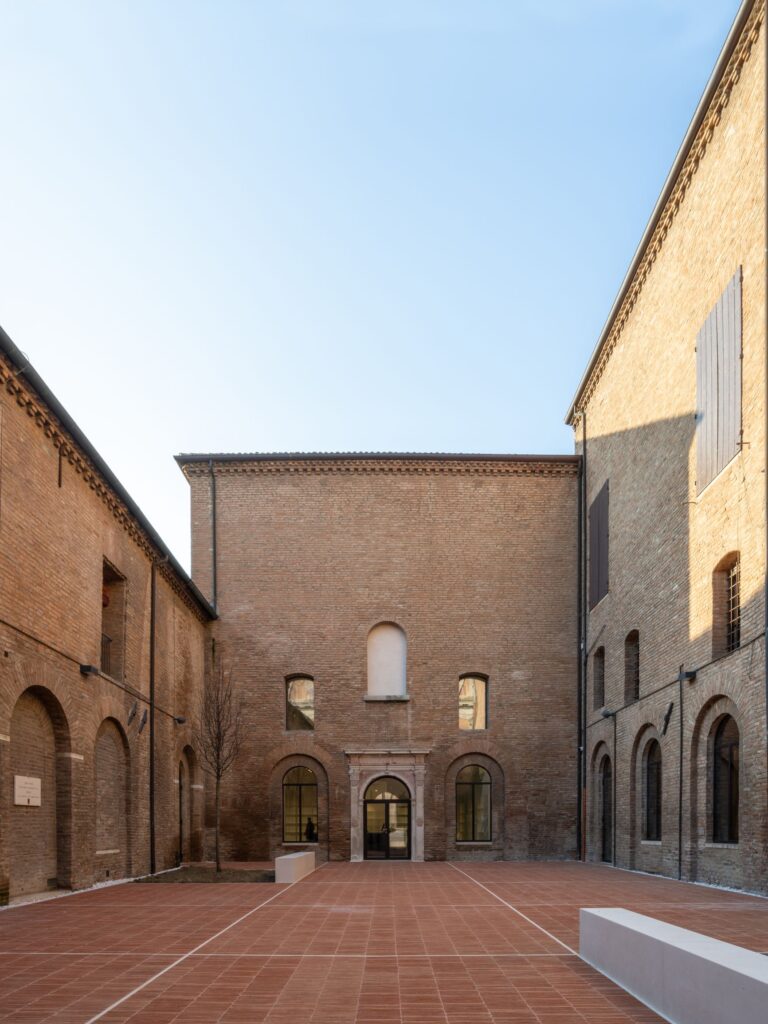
pixel 583 629
pixel 580 678
pixel 765 361
pixel 152 631
pixel 214 558
pixel 152 738
pixel 681 738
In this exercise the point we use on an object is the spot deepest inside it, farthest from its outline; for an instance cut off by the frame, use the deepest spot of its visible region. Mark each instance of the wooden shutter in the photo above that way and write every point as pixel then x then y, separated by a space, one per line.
pixel 598 547
pixel 718 385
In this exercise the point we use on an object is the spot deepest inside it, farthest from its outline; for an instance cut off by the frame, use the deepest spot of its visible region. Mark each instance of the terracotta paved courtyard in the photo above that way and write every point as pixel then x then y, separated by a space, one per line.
pixel 377 943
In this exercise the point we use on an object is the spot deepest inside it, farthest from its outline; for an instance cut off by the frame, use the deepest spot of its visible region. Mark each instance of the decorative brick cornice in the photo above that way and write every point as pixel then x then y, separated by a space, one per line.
pixel 361 465
pixel 25 398
pixel 720 100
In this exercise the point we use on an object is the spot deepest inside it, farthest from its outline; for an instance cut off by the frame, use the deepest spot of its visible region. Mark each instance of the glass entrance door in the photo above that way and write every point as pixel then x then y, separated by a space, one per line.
pixel 387 820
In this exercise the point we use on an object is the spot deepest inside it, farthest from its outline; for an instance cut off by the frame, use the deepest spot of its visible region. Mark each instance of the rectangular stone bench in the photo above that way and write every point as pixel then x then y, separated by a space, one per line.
pixel 682 975
pixel 293 866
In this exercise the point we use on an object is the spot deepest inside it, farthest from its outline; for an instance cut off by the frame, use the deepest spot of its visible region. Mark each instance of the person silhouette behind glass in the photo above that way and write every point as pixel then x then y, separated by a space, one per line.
pixel 310 833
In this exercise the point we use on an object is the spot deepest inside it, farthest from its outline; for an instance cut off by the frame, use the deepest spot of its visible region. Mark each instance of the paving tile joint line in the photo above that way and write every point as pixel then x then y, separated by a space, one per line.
pixel 186 956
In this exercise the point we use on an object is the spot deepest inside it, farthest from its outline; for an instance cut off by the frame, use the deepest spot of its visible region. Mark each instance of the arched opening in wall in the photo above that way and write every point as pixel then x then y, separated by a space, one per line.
pixel 473 805
pixel 39 836
pixel 726 606
pixel 300 817
pixel 183 784
pixel 387 820
pixel 725 780
pixel 188 839
pixel 605 781
pixel 111 804
pixel 652 792
pixel 387 661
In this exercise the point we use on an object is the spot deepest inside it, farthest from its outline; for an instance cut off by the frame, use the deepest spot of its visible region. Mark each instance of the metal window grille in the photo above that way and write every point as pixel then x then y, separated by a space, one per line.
pixel 733 608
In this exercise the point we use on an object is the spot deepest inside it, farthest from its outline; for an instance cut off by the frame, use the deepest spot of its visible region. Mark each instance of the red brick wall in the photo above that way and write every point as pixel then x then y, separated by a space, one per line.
pixel 476 563
pixel 32 832
pixel 666 535
pixel 53 543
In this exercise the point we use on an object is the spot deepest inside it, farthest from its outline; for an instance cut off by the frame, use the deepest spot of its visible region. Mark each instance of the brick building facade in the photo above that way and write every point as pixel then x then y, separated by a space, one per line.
pixel 474 560
pixel 94 616
pixel 437 656
pixel 670 419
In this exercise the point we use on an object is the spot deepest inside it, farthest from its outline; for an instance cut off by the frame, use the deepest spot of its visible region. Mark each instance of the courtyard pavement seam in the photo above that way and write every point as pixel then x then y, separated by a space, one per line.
pixel 186 956
pixel 513 909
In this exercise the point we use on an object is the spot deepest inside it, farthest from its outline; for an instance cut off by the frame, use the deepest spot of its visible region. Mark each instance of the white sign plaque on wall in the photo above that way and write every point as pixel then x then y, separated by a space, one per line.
pixel 26 791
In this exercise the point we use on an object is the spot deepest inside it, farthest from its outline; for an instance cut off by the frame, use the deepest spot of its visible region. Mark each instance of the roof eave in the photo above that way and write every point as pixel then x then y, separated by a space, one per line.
pixel 25 369
pixel 714 80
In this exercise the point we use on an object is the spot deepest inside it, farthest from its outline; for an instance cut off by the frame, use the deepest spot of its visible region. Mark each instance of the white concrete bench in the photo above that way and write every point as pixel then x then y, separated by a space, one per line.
pixel 684 976
pixel 293 866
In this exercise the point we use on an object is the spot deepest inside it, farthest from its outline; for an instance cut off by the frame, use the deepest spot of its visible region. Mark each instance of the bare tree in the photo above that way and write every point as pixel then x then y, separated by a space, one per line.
pixel 218 732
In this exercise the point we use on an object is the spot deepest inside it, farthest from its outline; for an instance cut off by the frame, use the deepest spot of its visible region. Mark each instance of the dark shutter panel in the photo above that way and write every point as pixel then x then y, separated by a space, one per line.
pixel 593 553
pixel 598 547
pixel 603 561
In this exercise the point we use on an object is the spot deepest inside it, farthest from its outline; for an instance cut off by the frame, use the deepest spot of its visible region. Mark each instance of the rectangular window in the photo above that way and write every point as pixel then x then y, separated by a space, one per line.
pixel 598 547
pixel 473 702
pixel 718 385
pixel 299 702
pixel 112 622
pixel 598 679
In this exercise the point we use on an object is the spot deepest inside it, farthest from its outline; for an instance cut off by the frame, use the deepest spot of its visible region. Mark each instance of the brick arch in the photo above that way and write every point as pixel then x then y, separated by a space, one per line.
pixel 594 808
pixel 193 844
pixel 40 837
pixel 112 801
pixel 702 742
pixel 276 845
pixel 644 735
pixel 475 851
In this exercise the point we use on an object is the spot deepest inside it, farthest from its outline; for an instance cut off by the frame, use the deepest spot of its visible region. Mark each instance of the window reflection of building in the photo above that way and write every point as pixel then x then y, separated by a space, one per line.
pixel 473 805
pixel 473 710
pixel 300 806
pixel 300 702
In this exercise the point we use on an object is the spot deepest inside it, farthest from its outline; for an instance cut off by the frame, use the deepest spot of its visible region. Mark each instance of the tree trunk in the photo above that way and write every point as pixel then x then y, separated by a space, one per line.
pixel 218 815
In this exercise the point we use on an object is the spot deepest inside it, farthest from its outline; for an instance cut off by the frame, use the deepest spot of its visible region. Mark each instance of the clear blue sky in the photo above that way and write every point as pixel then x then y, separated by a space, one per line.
pixel 325 225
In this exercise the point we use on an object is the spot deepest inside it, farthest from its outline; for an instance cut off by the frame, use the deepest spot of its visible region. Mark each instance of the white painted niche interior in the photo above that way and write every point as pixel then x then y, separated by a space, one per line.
pixel 387 655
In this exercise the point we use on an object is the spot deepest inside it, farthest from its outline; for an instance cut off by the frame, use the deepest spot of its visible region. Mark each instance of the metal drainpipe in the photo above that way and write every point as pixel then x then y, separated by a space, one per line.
pixel 680 782
pixel 214 586
pixel 152 610
pixel 765 361
pixel 583 709
pixel 615 782
pixel 580 682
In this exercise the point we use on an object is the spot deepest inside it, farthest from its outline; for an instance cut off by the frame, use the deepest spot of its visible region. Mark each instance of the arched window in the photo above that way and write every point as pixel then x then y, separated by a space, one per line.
pixel 387 788
pixel 473 805
pixel 652 781
pixel 299 806
pixel 387 651
pixel 632 667
pixel 299 702
pixel 725 782
pixel 606 810
pixel 598 678
pixel 726 606
pixel 473 702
